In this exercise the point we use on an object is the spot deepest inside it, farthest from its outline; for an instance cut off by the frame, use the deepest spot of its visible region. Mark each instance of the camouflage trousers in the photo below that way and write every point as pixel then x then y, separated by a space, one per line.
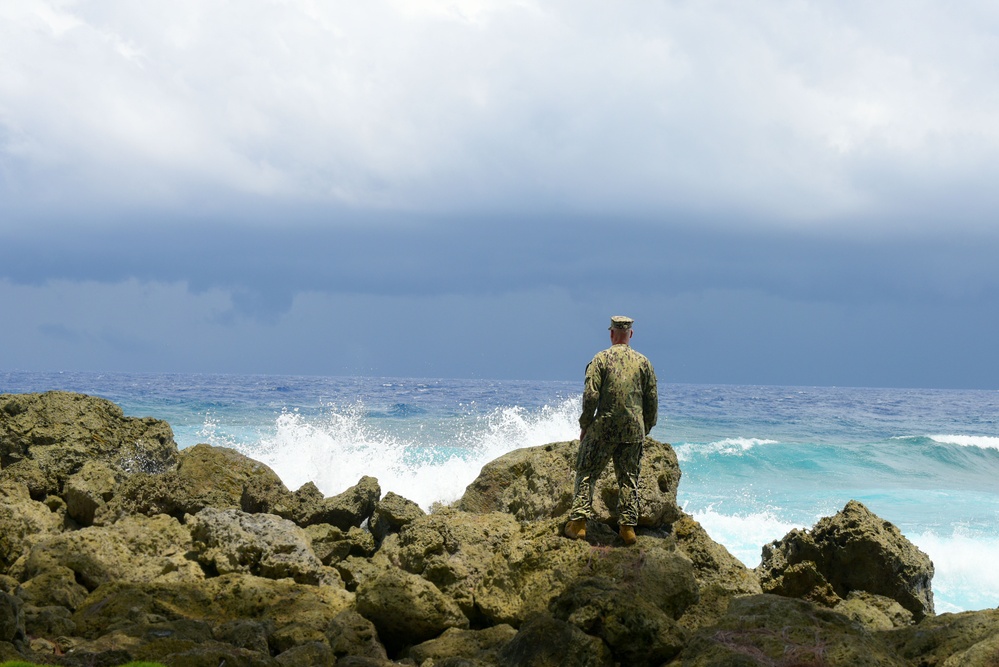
pixel 591 460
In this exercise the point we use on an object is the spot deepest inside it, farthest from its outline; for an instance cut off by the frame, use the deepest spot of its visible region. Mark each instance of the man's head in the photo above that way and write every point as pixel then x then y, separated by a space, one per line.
pixel 620 329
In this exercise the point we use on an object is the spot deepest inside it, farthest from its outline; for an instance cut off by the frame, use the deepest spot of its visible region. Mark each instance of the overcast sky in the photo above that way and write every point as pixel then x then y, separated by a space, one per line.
pixel 795 192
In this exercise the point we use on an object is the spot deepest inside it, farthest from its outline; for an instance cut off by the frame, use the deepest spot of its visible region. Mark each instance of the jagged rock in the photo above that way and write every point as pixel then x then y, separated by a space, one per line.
pixel 392 513
pixel 62 431
pixel 407 609
pixel 231 540
pixel 313 654
pixel 768 630
pixel 537 483
pixel 205 476
pixel 11 618
pixel 55 585
pixel 88 490
pixel 854 550
pixel 217 600
pixel 455 644
pixel 637 631
pixel 50 621
pixel 874 612
pixel 350 634
pixel 23 522
pixel 544 641
pixel 136 549
pixel 189 653
pixel 245 633
pixel 937 639
pixel 350 508
pixel 331 545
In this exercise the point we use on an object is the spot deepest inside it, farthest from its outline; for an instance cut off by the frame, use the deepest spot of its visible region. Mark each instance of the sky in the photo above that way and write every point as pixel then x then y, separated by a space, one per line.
pixel 778 192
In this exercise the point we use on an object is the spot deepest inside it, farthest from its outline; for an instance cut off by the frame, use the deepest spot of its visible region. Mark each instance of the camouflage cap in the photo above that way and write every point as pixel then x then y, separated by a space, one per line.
pixel 621 322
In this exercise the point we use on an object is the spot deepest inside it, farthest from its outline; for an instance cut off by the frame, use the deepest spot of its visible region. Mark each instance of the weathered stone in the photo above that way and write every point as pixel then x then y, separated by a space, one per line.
pixel 775 630
pixel 350 634
pixel 854 550
pixel 188 653
pixel 88 490
pixel 55 585
pixel 62 431
pixel 217 600
pixel 231 540
pixel 537 483
pixel 331 545
pixel 313 654
pixel 135 549
pixel 23 522
pixel 205 476
pixel 407 609
pixel 49 621
pixel 392 513
pixel 544 641
pixel 11 618
pixel 637 631
pixel 245 633
pixel 472 645
pixel 350 508
pixel 874 612
pixel 935 639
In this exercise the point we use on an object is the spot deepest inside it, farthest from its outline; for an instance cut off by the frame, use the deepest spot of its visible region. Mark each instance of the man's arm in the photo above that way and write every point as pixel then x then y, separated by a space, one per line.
pixel 650 400
pixel 591 396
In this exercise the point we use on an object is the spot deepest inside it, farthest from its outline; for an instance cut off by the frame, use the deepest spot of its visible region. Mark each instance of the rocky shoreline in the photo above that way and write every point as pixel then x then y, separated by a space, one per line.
pixel 116 546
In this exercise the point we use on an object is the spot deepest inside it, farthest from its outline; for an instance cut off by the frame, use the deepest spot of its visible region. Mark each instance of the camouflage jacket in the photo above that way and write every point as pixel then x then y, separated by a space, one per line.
pixel 620 397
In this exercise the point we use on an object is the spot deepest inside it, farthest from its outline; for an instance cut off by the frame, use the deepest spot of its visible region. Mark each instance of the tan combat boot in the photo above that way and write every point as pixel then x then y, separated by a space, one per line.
pixel 576 530
pixel 627 534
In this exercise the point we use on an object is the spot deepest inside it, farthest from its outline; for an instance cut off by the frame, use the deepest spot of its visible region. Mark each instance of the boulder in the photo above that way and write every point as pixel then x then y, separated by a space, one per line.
pixel 536 483
pixel 351 508
pixel 23 522
pixel 474 646
pixel 136 549
pixel 768 630
pixel 407 609
pixel 55 585
pixel 231 540
pixel 61 431
pixel 637 631
pixel 49 621
pixel 544 641
pixel 937 639
pixel 205 476
pixel 332 545
pixel 392 513
pixel 854 550
pixel 11 618
pixel 88 490
pixel 350 634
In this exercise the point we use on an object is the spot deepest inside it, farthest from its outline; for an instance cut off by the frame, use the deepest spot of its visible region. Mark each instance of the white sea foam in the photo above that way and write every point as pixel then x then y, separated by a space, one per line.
pixel 726 447
pixel 336 450
pixel 980 441
pixel 744 535
pixel 965 576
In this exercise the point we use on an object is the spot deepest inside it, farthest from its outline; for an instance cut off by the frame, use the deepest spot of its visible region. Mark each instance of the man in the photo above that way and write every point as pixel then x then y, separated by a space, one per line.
pixel 620 407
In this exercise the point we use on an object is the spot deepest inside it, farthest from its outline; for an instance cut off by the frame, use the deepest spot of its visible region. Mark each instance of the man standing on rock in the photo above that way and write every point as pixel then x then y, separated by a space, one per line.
pixel 620 407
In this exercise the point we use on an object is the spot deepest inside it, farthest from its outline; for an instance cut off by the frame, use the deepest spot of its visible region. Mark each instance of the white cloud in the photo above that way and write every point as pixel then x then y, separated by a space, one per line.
pixel 785 111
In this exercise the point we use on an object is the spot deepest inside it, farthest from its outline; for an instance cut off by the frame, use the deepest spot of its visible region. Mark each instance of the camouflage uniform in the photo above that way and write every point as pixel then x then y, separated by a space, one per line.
pixel 620 407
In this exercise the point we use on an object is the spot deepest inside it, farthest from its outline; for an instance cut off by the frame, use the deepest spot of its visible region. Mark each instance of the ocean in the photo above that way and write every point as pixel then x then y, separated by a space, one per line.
pixel 757 461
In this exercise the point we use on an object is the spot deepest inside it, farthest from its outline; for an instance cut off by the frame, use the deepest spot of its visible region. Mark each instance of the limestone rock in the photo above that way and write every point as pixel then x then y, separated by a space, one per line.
pixel 49 621
pixel 937 639
pixel 350 508
pixel 23 522
pixel 874 612
pixel 544 641
pixel 231 540
pixel 350 634
pixel 457 644
pixel 854 550
pixel 88 490
pixel 313 654
pixel 11 618
pixel 774 630
pixel 392 513
pixel 205 476
pixel 136 549
pixel 55 585
pixel 407 609
pixel 637 631
pixel 537 483
pixel 61 431
pixel 332 545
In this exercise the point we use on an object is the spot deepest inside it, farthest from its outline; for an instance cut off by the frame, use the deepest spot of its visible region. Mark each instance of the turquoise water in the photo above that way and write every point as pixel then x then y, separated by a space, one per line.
pixel 756 461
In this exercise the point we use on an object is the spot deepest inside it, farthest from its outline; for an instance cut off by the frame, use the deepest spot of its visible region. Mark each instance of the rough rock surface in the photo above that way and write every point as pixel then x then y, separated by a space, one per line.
pixel 537 483
pixel 855 550
pixel 204 557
